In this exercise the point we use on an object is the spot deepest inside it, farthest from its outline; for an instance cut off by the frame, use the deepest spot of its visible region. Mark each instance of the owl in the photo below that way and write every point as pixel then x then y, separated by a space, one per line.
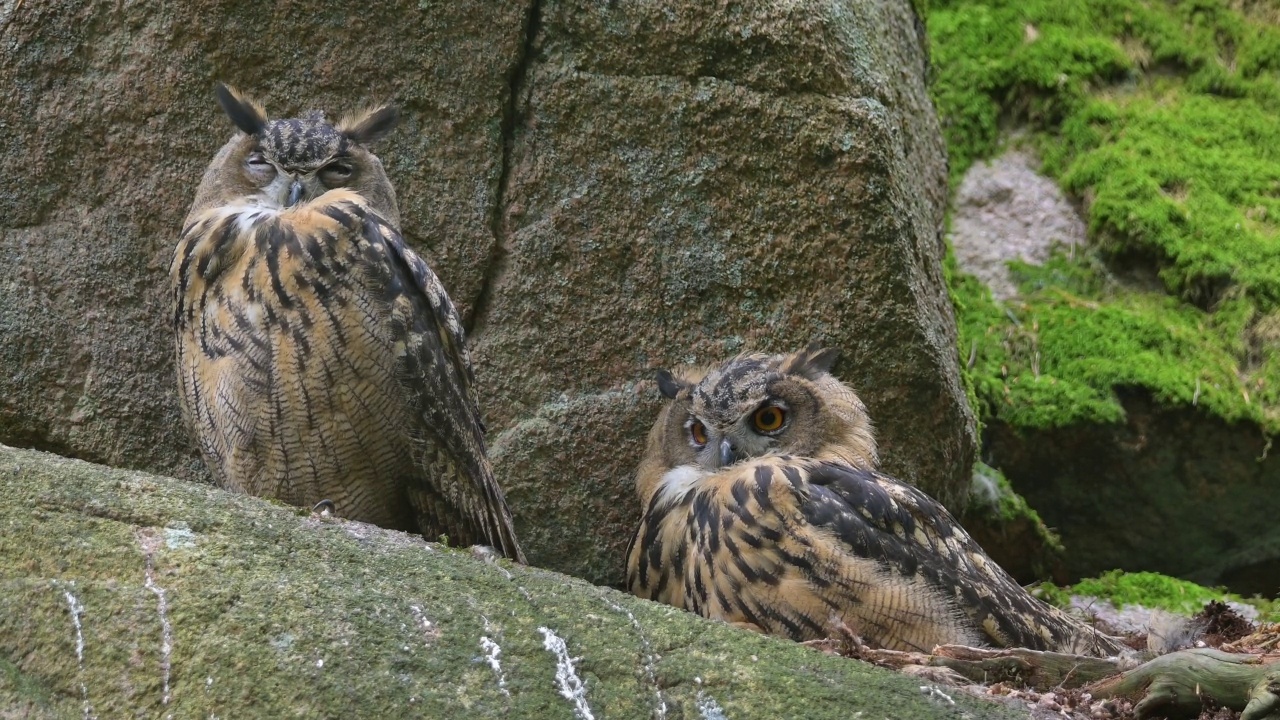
pixel 319 359
pixel 762 507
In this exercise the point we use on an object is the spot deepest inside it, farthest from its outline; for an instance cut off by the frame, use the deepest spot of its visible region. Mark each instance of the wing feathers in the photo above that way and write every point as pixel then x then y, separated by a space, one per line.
pixel 319 357
pixel 800 545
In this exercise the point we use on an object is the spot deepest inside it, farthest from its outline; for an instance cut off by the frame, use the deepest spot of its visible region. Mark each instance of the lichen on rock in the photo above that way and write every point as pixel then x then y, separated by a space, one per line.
pixel 123 593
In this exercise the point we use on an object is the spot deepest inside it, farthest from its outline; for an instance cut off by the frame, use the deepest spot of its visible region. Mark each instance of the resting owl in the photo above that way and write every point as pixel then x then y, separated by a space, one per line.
pixel 318 357
pixel 762 507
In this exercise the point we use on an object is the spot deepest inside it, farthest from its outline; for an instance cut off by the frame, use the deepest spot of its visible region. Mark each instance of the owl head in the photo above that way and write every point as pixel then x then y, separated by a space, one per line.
pixel 754 405
pixel 282 163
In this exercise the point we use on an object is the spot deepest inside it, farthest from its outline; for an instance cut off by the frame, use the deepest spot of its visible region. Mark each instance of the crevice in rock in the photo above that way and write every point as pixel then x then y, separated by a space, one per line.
pixel 42 439
pixel 512 118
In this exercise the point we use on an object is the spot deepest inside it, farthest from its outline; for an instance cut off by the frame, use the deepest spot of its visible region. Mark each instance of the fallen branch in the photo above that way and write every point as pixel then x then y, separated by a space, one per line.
pixel 1019 667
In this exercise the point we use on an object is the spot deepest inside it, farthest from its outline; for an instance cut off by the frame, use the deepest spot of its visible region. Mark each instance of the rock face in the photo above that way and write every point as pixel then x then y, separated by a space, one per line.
pixel 1006 210
pixel 604 189
pixel 126 594
pixel 1170 491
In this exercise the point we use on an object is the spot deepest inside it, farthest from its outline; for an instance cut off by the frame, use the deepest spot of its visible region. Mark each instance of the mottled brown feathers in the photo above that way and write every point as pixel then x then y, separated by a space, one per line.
pixel 794 545
pixel 319 358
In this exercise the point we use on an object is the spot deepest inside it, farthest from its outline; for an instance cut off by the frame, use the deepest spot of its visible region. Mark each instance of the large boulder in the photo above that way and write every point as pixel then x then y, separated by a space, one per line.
pixel 1176 464
pixel 109 122
pixel 1106 487
pixel 124 594
pixel 605 189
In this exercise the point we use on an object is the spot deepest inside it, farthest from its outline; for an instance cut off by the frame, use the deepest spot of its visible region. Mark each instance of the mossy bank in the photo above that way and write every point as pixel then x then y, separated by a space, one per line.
pixel 1150 358
pixel 126 594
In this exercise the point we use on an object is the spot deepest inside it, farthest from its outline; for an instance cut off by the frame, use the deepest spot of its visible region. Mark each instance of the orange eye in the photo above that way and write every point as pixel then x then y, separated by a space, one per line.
pixel 769 418
pixel 697 433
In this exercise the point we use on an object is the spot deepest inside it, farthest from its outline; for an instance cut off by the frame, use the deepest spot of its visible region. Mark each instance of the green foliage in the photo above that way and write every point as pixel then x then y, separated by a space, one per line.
pixel 1160 116
pixel 1151 590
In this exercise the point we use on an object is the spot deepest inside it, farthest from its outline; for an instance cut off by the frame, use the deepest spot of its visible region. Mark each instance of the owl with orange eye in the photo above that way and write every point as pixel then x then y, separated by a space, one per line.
pixel 762 507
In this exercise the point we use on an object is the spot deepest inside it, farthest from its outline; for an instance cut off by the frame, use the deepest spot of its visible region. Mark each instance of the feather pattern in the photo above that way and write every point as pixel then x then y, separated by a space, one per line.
pixel 795 546
pixel 320 358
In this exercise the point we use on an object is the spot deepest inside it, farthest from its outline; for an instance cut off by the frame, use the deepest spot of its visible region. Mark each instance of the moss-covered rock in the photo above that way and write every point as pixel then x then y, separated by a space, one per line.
pixel 126 594
pixel 1159 118
pixel 1153 591
pixel 1009 529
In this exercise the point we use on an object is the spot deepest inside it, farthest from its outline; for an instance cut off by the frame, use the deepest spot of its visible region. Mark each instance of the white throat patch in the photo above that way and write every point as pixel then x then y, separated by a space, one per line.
pixel 677 482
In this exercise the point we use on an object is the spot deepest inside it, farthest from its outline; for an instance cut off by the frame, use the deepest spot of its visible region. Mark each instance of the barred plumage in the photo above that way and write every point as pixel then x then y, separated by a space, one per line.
pixel 734 527
pixel 319 358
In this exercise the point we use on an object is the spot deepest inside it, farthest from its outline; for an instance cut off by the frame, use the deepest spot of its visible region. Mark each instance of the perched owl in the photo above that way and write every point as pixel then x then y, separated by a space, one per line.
pixel 762 507
pixel 318 357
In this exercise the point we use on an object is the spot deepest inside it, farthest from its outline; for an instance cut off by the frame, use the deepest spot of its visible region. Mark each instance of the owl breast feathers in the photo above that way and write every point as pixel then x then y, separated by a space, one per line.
pixel 318 357
pixel 738 528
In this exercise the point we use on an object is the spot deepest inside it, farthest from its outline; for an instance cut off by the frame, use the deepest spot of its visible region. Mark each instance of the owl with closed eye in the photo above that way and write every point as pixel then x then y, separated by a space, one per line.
pixel 761 506
pixel 319 359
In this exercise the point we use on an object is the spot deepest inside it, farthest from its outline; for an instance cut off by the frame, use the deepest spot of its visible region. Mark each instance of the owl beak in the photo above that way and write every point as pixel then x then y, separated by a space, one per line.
pixel 728 453
pixel 295 193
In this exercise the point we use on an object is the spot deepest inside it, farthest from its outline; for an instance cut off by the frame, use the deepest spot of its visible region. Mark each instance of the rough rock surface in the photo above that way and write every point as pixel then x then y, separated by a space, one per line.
pixel 686 183
pixel 604 188
pixel 1005 210
pixel 1170 491
pixel 108 123
pixel 125 594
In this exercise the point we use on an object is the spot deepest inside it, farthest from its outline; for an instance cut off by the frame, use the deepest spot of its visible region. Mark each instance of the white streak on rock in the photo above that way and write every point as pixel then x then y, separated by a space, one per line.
pixel 430 631
pixel 492 655
pixel 571 687
pixel 650 661
pixel 708 708
pixel 73 604
pixel 932 691
pixel 149 543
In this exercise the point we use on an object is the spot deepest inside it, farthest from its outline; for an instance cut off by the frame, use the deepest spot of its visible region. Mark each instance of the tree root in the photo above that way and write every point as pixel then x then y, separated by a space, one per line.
pixel 1177 685
pixel 1183 683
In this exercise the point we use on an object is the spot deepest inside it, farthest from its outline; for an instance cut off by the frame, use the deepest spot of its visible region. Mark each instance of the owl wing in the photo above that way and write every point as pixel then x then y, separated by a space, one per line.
pixel 218 369
pixel 436 373
pixel 922 549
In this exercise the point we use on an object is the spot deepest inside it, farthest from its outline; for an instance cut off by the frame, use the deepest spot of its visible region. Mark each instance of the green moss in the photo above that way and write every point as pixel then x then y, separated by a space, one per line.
pixel 1056 356
pixel 1151 590
pixel 1148 589
pixel 1160 117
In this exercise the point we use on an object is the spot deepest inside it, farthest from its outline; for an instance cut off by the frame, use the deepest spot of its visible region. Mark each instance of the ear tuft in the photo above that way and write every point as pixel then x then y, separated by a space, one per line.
pixel 245 113
pixel 370 126
pixel 813 361
pixel 668 385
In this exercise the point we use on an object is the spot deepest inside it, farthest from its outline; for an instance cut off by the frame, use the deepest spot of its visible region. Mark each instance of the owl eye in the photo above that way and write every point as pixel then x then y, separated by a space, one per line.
pixel 769 419
pixel 335 174
pixel 259 167
pixel 697 432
